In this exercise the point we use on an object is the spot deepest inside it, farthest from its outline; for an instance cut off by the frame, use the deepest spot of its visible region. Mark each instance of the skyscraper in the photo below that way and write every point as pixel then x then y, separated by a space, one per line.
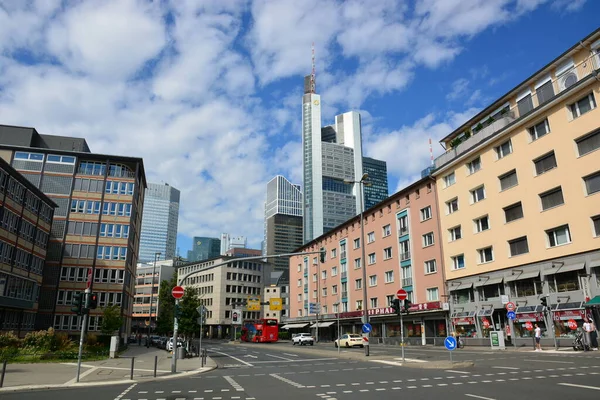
pixel 377 191
pixel 229 242
pixel 159 223
pixel 283 220
pixel 204 248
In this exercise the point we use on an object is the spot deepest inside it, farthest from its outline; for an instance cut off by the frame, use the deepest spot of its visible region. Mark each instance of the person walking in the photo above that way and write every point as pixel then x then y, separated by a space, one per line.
pixel 538 337
pixel 587 334
pixel 594 335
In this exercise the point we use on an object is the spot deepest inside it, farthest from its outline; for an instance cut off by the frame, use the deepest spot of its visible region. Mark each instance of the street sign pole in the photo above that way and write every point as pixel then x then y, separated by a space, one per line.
pixel 175 327
pixel 83 329
pixel 200 340
pixel 402 335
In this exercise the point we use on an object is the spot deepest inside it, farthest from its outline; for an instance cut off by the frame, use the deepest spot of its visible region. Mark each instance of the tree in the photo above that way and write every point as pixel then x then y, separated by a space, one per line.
pixel 112 320
pixel 188 322
pixel 166 305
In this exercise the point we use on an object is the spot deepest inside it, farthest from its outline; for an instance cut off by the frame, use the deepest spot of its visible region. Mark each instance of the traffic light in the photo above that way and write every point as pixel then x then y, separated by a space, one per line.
pixel 396 306
pixel 407 305
pixel 177 311
pixel 91 301
pixel 544 301
pixel 77 304
pixel 322 254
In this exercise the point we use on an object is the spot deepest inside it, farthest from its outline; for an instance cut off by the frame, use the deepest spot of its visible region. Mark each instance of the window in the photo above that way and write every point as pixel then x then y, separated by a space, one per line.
pixel 452 206
pixel 403 225
pixel 596 223
pixel 387 253
pixel 454 233
pixel 430 267
pixel 428 239
pixel 324 291
pixel 371 237
pixel 323 275
pixel 373 280
pixel 592 183
pixel 477 194
pixel 374 302
pixel 582 106
pixel 524 103
pixel 387 230
pixel 558 236
pixel 482 223
pixel 588 143
pixel 458 262
pixel 538 130
pixel 357 243
pixel 508 180
pixel 545 163
pixel 334 271
pixel 449 179
pixel 426 213
pixel 518 246
pixel 552 198
pixel 389 276
pixel 388 299
pixel 474 165
pixel 299 283
pixel 334 289
pixel 358 284
pixel 504 149
pixel 314 277
pixel 544 90
pixel 29 156
pixel 486 255
pixel 356 263
pixel 333 253
pixel 371 258
pixel 513 212
pixel 433 294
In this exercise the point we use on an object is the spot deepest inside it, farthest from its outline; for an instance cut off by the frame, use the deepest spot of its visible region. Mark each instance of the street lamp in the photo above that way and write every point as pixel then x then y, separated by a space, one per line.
pixel 156 255
pixel 362 182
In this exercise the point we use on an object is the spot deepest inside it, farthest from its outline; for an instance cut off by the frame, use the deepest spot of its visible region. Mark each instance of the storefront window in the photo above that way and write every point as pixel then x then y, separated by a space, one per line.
pixel 527 317
pixel 490 291
pixel 464 324
pixel 393 330
pixel 413 330
pixel 528 287
pixel 564 282
pixel 486 322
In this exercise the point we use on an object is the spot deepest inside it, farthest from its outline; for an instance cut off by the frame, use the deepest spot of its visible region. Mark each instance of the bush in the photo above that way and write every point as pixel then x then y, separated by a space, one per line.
pixel 47 341
pixel 284 335
pixel 9 339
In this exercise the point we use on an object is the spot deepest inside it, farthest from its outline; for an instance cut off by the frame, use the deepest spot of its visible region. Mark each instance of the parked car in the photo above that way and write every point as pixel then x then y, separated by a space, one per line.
pixel 154 339
pixel 349 340
pixel 303 339
pixel 169 346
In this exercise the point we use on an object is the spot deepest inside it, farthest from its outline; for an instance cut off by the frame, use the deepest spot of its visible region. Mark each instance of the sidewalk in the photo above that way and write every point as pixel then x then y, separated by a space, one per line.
pixel 104 372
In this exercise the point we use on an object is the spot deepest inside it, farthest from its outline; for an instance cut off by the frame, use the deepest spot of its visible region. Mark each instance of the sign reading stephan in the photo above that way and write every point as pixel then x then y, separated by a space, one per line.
pixel 431 306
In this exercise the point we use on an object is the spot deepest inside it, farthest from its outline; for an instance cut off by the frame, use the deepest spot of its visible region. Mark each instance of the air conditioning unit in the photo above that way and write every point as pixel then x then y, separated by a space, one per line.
pixel 567 79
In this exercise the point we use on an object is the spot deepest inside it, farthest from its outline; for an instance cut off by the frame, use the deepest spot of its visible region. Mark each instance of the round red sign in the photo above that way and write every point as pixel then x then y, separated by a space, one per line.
pixel 572 324
pixel 510 306
pixel 486 323
pixel 528 325
pixel 401 294
pixel 177 292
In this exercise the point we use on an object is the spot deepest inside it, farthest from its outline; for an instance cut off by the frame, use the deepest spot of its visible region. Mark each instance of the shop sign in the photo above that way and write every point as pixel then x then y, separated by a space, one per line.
pixel 528 326
pixel 432 305
pixel 464 321
pixel 566 315
pixel 531 317
pixel 572 324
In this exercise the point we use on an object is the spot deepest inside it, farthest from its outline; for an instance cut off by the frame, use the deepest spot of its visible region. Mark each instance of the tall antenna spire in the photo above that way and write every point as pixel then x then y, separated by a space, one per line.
pixel 431 152
pixel 313 78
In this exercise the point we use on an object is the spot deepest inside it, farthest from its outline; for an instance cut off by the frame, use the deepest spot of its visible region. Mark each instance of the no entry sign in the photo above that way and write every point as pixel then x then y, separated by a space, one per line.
pixel 401 294
pixel 177 292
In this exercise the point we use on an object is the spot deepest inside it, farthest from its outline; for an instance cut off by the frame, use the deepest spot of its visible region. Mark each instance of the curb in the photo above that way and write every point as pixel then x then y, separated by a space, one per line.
pixel 106 383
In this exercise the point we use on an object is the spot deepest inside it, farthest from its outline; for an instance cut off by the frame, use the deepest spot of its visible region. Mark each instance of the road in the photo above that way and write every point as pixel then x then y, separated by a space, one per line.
pixel 281 371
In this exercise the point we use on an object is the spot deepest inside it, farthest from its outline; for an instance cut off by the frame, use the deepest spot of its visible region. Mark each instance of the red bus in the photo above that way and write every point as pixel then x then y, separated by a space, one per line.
pixel 264 330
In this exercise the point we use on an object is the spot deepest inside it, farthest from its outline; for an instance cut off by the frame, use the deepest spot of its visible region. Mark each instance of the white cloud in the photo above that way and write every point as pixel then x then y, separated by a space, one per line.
pixel 459 89
pixel 568 5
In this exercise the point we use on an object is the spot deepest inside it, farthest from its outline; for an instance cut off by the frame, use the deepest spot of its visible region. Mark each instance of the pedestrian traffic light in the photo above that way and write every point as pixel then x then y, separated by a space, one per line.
pixel 396 306
pixel 322 254
pixel 77 304
pixel 407 305
pixel 544 301
pixel 91 301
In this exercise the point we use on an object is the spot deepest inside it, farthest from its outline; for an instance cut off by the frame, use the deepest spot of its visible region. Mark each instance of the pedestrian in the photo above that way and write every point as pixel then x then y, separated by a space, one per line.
pixel 594 335
pixel 538 337
pixel 139 339
pixel 587 334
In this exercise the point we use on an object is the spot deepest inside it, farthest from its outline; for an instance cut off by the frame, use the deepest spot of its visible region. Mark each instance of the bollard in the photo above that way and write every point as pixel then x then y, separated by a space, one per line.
pixel 132 361
pixel 155 364
pixel 3 373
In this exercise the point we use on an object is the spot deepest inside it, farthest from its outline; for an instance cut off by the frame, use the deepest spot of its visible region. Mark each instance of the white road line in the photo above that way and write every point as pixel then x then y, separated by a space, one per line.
pixel 457 372
pixel 289 360
pixel 506 367
pixel 291 355
pixel 81 376
pixel 478 397
pixel 281 358
pixel 250 355
pixel 233 383
pixel 580 386
pixel 235 358
pixel 288 381
pixel 552 361
pixel 125 392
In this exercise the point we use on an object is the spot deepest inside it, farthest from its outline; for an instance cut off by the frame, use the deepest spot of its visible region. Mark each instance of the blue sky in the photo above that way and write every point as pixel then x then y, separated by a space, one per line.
pixel 209 92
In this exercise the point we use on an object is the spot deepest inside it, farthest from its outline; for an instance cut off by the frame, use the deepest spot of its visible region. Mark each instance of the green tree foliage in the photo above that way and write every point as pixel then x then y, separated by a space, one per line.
pixel 166 304
pixel 188 323
pixel 112 320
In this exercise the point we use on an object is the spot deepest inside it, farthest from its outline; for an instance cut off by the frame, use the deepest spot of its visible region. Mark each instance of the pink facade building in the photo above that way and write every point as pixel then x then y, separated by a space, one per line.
pixel 402 250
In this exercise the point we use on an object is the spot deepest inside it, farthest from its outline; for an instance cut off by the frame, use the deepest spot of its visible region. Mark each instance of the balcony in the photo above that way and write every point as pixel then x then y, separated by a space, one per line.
pixel 344 295
pixel 403 230
pixel 344 275
pixel 489 126
pixel 405 256
pixel 407 282
pixel 343 255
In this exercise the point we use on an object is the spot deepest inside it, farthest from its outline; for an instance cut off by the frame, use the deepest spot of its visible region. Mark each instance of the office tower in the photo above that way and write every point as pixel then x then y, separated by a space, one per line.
pixel 204 248
pixel 26 217
pixel 96 229
pixel 159 223
pixel 377 191
pixel 283 220
pixel 229 242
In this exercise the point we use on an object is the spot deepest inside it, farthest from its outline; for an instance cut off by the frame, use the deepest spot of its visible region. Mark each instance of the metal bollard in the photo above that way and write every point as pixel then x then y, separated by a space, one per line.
pixel 3 373
pixel 155 364
pixel 132 361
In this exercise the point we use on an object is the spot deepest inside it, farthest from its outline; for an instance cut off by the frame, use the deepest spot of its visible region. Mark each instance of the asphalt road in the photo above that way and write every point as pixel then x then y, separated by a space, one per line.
pixel 284 372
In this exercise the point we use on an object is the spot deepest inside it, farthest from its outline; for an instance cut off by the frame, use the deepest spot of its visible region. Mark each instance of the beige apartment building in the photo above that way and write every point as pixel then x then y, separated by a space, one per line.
pixel 519 201
pixel 402 250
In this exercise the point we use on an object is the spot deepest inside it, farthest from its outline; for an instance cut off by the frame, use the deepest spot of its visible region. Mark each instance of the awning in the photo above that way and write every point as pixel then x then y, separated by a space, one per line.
pixel 595 263
pixel 293 326
pixel 323 324
pixel 564 268
pixel 491 281
pixel 524 275
pixel 593 302
pixel 462 286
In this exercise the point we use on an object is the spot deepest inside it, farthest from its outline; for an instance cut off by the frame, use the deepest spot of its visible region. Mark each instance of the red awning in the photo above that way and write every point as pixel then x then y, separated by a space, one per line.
pixel 564 315
pixel 531 317
pixel 464 321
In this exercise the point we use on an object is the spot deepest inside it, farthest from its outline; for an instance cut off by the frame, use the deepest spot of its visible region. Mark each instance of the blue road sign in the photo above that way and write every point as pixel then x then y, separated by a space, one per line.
pixel 367 328
pixel 450 343
pixel 511 315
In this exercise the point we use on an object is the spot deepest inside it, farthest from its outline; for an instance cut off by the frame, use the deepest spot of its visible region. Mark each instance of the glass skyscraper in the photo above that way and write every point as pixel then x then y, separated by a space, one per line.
pixel 378 190
pixel 204 248
pixel 159 222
